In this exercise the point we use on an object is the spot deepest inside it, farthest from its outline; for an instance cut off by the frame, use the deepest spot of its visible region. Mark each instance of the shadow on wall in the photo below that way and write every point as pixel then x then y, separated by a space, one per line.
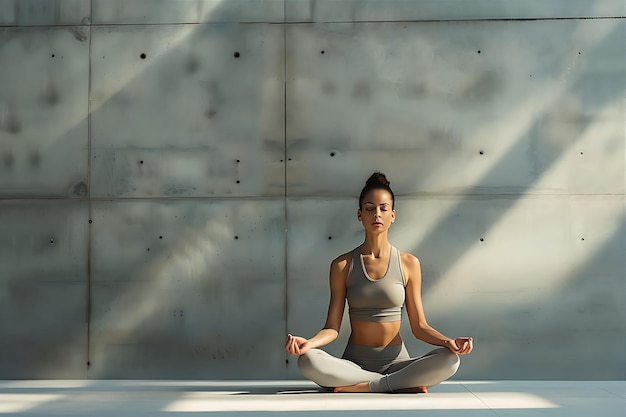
pixel 551 326
pixel 556 324
pixel 542 320
pixel 180 311
pixel 166 269
pixel 139 327
pixel 452 253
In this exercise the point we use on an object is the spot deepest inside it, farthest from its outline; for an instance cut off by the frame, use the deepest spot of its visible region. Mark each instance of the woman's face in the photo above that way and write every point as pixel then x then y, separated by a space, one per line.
pixel 376 212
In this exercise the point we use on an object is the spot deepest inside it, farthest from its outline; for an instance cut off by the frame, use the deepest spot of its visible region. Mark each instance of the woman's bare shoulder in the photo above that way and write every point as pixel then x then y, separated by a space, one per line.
pixel 410 266
pixel 409 259
pixel 342 261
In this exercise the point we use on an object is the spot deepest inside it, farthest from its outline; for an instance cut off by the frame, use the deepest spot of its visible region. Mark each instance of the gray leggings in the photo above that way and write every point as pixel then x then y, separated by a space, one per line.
pixel 386 368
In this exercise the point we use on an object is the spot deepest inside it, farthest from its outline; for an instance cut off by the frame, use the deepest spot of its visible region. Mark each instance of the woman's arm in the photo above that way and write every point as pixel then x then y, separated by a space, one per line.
pixel 415 310
pixel 338 273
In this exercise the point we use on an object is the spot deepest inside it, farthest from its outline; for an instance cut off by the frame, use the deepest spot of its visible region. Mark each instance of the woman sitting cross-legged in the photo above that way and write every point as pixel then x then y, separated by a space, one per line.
pixel 377 280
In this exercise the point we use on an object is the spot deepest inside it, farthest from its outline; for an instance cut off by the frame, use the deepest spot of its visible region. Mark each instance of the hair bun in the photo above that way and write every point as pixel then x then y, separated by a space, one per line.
pixel 377 178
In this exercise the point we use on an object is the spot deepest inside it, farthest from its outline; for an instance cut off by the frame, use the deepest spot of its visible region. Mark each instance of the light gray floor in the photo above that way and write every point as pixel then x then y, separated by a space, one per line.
pixel 300 398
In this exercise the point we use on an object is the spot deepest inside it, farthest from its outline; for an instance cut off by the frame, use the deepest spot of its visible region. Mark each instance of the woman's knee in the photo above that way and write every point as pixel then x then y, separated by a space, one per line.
pixel 315 366
pixel 447 359
pixel 305 361
pixel 452 361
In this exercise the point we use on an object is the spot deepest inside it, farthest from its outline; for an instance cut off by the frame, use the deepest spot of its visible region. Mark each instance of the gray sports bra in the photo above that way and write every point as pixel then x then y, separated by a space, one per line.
pixel 378 300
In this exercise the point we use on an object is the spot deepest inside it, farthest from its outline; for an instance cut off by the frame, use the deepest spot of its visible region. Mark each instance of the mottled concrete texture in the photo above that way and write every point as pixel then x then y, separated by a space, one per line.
pixel 175 178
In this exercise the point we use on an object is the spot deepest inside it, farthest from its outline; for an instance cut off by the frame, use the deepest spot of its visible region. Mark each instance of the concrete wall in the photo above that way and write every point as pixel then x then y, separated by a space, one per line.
pixel 175 178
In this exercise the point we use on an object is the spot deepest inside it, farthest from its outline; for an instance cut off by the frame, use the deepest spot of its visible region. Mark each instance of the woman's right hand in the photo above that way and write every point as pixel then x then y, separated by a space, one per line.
pixel 461 345
pixel 297 345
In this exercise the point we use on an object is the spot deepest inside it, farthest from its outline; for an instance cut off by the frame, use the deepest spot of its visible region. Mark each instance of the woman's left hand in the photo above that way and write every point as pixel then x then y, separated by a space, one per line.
pixel 461 345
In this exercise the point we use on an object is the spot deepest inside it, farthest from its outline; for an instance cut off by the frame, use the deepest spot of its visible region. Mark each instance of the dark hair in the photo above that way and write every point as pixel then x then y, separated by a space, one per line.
pixel 376 181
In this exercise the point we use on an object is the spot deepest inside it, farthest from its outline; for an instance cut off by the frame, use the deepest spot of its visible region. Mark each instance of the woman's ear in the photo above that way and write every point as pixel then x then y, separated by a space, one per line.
pixel 358 214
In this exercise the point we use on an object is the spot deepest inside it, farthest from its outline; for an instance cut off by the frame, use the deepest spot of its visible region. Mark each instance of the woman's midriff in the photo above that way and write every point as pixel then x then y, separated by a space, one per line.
pixel 375 334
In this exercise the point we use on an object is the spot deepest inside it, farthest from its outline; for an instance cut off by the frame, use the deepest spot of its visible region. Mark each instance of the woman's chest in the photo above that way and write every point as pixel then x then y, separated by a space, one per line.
pixel 375 268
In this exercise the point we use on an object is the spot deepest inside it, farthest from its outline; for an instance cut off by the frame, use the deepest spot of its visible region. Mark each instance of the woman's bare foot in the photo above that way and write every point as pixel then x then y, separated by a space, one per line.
pixel 365 387
pixel 362 387
pixel 414 390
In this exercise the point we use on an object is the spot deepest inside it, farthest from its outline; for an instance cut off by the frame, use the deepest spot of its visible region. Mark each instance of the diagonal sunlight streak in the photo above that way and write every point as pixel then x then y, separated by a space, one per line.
pixel 47 134
pixel 598 136
pixel 191 251
pixel 187 276
pixel 114 81
pixel 205 402
pixel 188 254
pixel 559 273
pixel 510 129
pixel 64 90
pixel 187 258
pixel 124 73
pixel 19 403
pixel 548 95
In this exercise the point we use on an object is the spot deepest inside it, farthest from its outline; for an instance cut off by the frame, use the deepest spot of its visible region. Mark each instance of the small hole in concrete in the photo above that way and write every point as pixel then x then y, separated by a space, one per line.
pixel 238 161
pixel 160 237
pixel 330 238
pixel 148 249
pixel 322 52
pixel 237 54
pixel 579 53
pixel 482 239
pixel 236 237
pixel 479 51
pixel 52 55
pixel 282 160
pixel 238 182
pixel 332 154
pixel 52 241
pixel 581 153
pixel 141 162
pixel 142 56
pixel 582 238
pixel 289 159
pixel 481 152
pixel 90 221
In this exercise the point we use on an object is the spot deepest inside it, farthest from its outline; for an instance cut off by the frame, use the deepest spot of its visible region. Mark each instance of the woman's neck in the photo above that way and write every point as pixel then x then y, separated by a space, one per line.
pixel 376 245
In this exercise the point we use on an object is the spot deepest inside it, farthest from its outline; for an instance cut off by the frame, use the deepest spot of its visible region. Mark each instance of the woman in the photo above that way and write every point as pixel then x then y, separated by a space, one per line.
pixel 376 279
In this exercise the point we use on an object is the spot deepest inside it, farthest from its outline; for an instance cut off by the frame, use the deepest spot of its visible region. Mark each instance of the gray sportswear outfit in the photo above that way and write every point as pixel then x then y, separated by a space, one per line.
pixel 386 368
